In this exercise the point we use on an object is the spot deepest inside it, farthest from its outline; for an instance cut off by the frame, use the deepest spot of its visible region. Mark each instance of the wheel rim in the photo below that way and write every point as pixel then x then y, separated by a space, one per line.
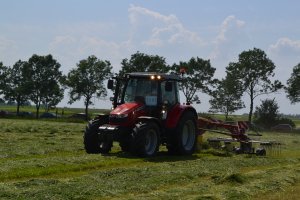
pixel 150 142
pixel 104 146
pixel 188 135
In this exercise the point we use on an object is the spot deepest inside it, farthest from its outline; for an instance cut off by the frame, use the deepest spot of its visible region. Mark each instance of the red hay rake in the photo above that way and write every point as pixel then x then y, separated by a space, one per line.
pixel 238 134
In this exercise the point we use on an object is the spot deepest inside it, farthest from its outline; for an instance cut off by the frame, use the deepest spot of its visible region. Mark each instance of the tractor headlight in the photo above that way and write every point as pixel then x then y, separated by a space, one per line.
pixel 118 118
pixel 123 115
pixel 164 114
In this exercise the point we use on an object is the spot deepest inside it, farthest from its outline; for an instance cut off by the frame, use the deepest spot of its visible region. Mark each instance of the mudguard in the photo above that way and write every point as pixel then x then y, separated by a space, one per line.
pixel 175 114
pixel 154 119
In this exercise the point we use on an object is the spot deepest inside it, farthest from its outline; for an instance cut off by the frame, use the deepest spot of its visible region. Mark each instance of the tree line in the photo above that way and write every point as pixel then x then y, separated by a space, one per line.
pixel 40 80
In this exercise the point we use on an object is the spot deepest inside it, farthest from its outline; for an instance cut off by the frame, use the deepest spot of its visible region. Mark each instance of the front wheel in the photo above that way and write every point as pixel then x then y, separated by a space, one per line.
pixel 145 139
pixel 183 141
pixel 92 143
pixel 125 142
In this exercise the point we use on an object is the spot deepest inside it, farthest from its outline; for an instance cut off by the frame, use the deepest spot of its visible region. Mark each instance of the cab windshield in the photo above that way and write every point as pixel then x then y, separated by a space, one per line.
pixel 141 90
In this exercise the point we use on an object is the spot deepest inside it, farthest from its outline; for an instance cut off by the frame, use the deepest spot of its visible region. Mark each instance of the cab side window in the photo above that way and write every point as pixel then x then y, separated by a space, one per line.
pixel 169 96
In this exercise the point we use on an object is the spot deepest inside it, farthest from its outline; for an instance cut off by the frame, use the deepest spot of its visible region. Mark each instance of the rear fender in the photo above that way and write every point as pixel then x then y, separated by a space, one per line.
pixel 175 114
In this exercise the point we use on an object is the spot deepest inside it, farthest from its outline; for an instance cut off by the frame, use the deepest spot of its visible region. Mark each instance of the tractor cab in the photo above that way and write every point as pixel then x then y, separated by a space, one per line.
pixel 153 92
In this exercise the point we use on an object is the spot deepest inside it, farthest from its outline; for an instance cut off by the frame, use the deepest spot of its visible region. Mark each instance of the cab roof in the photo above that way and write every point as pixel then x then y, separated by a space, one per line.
pixel 163 76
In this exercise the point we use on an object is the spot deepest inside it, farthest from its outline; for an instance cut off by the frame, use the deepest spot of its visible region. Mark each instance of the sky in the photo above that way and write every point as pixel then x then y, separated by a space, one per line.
pixel 218 30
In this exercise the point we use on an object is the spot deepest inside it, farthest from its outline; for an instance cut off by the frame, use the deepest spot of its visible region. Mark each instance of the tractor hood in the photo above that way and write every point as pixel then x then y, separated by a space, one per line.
pixel 126 114
pixel 127 108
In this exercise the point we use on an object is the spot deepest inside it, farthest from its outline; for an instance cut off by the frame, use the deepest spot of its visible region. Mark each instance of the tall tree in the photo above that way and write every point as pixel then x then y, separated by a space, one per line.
pixel 227 96
pixel 140 62
pixel 17 88
pixel 198 77
pixel 87 80
pixel 43 77
pixel 254 69
pixel 293 85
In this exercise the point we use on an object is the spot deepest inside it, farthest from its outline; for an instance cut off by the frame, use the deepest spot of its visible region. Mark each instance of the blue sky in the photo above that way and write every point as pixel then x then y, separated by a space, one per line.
pixel 72 30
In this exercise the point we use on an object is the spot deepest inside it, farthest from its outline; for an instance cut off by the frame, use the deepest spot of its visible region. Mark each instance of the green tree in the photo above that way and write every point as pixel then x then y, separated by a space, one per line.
pixel 293 85
pixel 198 77
pixel 254 70
pixel 87 79
pixel 44 80
pixel 267 114
pixel 3 78
pixel 140 62
pixel 227 96
pixel 53 94
pixel 17 88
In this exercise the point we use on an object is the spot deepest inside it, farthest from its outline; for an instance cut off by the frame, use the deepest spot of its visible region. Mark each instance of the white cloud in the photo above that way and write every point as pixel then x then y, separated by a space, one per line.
pixel 229 22
pixel 155 42
pixel 227 31
pixel 135 11
pixel 285 46
pixel 164 29
pixel 285 53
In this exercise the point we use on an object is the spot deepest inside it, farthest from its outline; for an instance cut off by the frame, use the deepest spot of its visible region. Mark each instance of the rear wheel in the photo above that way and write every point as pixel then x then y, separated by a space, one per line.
pixel 183 141
pixel 92 143
pixel 145 139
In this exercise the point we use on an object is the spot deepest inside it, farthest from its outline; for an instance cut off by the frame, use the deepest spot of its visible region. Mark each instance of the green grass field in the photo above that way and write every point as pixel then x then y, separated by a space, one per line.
pixel 46 160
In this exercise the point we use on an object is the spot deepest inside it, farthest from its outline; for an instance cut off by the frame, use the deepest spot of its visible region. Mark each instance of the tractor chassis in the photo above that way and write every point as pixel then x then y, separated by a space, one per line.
pixel 112 133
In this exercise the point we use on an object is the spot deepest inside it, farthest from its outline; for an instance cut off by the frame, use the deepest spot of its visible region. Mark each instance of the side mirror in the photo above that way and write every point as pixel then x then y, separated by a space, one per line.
pixel 168 86
pixel 110 84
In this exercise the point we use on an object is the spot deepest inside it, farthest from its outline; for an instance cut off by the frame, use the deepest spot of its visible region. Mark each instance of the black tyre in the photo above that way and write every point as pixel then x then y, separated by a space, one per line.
pixel 183 140
pixel 145 139
pixel 261 152
pixel 125 142
pixel 92 143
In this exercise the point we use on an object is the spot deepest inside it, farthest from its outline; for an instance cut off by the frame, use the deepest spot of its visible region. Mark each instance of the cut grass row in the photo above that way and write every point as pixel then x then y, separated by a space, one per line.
pixel 217 178
pixel 46 160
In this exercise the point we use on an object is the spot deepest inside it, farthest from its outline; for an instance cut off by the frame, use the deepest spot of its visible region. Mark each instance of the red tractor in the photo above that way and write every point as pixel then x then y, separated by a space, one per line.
pixel 146 114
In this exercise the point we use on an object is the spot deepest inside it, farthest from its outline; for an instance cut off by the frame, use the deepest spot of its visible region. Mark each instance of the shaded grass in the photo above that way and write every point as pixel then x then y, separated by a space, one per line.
pixel 46 160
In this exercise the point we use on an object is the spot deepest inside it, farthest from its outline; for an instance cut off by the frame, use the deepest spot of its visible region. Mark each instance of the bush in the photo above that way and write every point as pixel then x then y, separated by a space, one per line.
pixel 286 121
pixel 266 115
pixel 260 126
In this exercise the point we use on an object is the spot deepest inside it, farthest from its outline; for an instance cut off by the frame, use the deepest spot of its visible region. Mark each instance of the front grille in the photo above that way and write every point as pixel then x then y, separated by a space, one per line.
pixel 114 119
